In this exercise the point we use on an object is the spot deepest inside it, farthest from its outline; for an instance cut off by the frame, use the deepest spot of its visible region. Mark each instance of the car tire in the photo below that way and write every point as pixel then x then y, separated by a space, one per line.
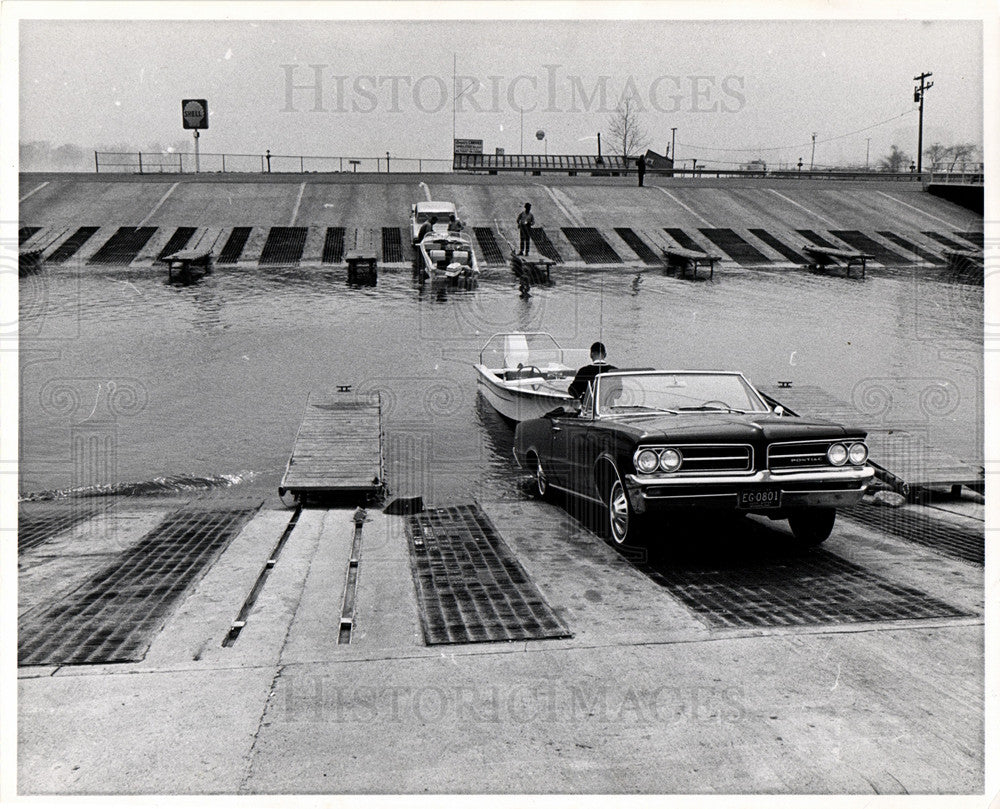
pixel 541 489
pixel 812 526
pixel 623 527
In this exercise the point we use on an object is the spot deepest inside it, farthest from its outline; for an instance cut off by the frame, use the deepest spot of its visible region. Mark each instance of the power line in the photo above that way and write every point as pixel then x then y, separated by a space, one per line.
pixel 806 143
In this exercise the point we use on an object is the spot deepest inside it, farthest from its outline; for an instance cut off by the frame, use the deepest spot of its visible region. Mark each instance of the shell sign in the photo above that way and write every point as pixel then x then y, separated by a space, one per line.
pixel 195 113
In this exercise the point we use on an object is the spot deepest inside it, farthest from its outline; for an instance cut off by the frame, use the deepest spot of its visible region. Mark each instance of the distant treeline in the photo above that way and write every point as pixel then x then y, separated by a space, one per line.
pixel 42 155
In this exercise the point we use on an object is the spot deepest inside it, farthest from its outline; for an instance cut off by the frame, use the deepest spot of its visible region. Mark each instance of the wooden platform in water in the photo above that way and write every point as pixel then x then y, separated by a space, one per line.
pixel 338 448
pixel 902 457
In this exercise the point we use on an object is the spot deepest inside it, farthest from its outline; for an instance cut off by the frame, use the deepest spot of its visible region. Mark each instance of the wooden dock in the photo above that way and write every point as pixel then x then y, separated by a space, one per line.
pixel 338 448
pixel 534 269
pixel 362 267
pixel 188 265
pixel 683 260
pixel 902 458
pixel 824 257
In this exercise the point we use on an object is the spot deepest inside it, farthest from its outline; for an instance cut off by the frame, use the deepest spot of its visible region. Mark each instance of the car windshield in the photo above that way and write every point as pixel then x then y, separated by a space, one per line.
pixel 619 394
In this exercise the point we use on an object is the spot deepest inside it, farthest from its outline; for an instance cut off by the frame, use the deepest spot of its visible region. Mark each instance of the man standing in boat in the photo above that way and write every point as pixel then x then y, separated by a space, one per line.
pixel 525 221
pixel 587 374
pixel 426 228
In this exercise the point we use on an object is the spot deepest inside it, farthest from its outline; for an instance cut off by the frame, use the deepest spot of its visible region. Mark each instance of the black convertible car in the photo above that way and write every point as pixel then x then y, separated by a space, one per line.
pixel 648 441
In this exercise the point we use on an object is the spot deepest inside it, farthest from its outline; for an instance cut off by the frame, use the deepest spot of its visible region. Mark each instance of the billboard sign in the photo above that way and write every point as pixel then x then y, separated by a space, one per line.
pixel 467 146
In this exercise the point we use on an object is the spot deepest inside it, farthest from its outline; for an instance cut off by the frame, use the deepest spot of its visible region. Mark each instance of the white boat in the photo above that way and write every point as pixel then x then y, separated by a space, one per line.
pixel 524 375
pixel 448 256
pixel 421 212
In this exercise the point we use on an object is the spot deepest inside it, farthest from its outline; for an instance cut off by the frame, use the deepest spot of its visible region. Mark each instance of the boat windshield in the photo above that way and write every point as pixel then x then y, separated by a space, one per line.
pixel 441 214
pixel 621 394
pixel 527 349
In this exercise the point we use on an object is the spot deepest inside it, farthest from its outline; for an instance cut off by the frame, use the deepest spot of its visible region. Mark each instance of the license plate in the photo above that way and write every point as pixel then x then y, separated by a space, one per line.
pixel 760 498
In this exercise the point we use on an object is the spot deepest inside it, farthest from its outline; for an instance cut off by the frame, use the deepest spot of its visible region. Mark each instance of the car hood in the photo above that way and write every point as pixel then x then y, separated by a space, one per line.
pixel 726 427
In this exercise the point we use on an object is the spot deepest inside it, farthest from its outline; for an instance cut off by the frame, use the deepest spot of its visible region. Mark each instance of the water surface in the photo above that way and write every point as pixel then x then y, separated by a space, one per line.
pixel 124 378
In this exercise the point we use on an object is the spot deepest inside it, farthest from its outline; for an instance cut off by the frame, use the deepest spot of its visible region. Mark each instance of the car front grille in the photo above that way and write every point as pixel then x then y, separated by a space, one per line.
pixel 701 459
pixel 795 456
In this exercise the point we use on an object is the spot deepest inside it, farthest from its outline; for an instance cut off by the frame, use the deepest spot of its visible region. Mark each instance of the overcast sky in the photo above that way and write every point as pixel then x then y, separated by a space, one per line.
pixel 759 89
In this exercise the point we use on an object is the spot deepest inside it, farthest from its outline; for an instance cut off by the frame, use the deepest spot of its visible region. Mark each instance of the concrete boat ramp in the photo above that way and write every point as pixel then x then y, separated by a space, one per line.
pixel 313 220
pixel 733 662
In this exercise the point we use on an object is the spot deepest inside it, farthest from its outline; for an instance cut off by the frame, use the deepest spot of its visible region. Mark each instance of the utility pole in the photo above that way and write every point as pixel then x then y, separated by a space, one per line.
pixel 673 143
pixel 812 159
pixel 918 95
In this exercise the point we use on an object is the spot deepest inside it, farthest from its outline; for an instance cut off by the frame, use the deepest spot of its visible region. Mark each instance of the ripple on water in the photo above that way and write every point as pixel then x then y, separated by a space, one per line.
pixel 224 367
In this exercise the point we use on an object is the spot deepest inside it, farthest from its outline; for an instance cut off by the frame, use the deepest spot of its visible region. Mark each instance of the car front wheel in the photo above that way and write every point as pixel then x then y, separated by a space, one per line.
pixel 542 491
pixel 812 526
pixel 624 527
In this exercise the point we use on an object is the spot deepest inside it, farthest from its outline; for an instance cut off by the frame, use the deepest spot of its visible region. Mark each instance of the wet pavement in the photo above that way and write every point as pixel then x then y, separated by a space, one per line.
pixel 729 661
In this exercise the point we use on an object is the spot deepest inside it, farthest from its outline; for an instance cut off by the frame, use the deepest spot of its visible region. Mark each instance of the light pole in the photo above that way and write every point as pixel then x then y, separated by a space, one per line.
pixel 455 95
pixel 673 143
pixel 813 158
pixel 918 95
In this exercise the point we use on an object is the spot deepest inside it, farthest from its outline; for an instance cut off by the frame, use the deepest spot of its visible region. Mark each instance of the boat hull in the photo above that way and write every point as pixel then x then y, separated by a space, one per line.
pixel 522 400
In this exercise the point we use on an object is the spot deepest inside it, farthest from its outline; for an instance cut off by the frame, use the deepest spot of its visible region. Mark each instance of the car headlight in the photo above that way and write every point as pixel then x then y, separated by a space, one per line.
pixel 670 460
pixel 857 454
pixel 647 461
pixel 837 454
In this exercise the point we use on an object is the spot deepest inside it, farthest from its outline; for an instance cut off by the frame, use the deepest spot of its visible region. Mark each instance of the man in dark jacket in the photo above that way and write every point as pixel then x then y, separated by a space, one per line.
pixel 426 228
pixel 640 165
pixel 587 374
pixel 525 221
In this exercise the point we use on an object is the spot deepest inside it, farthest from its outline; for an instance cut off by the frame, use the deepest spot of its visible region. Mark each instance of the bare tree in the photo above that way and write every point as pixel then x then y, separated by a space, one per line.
pixel 896 160
pixel 961 153
pixel 627 134
pixel 936 153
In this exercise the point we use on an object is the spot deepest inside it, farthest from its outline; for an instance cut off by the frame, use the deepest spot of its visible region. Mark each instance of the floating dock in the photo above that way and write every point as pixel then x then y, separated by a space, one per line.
pixel 362 267
pixel 901 457
pixel 685 260
pixel 338 448
pixel 824 257
pixel 187 265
